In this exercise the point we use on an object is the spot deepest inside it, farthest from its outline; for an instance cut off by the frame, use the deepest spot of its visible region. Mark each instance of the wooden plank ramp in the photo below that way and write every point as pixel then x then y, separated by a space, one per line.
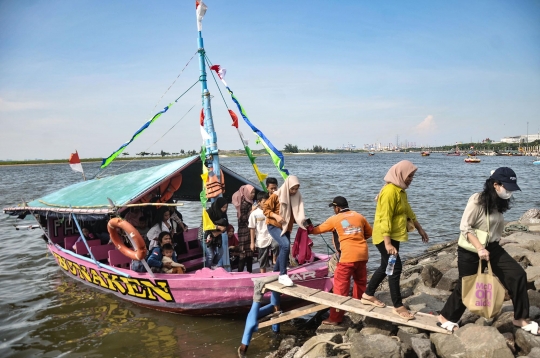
pixel 323 299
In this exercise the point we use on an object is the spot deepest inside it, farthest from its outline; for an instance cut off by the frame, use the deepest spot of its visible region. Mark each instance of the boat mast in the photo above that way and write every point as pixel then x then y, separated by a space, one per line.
pixel 212 156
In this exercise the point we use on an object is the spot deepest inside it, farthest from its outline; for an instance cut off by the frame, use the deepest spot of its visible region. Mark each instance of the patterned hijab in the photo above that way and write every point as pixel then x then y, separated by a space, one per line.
pixel 243 193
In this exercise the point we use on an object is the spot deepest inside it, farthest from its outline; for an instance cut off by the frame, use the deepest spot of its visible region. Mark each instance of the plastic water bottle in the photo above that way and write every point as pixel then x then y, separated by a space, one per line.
pixel 391 263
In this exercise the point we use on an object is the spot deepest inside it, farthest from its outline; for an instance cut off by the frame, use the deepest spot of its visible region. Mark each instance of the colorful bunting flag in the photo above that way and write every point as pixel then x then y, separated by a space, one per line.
pixel 275 154
pixel 108 160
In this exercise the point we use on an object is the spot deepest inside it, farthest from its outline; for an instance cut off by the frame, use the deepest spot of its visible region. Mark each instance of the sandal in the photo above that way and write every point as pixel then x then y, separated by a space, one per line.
pixel 330 323
pixel 403 314
pixel 449 326
pixel 531 327
pixel 372 301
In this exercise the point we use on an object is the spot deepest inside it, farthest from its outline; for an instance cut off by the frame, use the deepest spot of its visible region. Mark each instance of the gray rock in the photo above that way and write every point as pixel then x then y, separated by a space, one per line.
pixel 534 312
pixel 483 342
pixel 350 332
pixel 409 329
pixel 430 276
pixel 525 340
pixel 375 346
pixel 328 328
pixel 291 353
pixel 443 263
pixel 510 341
pixel 384 296
pixel 534 298
pixel 533 258
pixel 316 347
pixel 424 303
pixel 448 280
pixel 447 346
pixel 468 317
pixel 528 241
pixel 377 326
pixel 533 273
pixel 287 343
pixel 410 282
pixel 356 319
pixel 534 353
pixel 503 322
pixel 422 347
pixel 517 252
pixel 435 292
pixel 454 263
pixel 481 321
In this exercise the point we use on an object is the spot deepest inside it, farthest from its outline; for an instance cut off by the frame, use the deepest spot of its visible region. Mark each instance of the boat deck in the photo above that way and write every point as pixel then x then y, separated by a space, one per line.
pixel 322 300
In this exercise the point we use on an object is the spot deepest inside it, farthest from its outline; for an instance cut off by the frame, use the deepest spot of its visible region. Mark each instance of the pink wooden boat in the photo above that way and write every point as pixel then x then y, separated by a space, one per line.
pixel 94 202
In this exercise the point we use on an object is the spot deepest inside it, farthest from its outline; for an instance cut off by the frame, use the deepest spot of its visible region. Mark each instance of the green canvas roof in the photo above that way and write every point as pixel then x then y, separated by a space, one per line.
pixel 91 197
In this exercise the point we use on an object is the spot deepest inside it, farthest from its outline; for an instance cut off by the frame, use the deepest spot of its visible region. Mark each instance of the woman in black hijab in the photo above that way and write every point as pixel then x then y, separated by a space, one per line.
pixel 218 214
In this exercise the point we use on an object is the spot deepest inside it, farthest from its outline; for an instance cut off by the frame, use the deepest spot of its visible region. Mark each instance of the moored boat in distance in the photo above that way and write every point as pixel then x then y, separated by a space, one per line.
pixel 425 153
pixel 371 153
pixel 471 159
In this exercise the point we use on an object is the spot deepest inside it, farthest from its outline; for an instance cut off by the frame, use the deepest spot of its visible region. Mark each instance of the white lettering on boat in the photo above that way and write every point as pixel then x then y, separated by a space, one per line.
pixel 301 276
pixel 135 287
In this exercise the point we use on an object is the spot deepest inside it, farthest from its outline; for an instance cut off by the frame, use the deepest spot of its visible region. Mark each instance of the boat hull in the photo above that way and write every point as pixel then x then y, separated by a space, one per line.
pixel 204 292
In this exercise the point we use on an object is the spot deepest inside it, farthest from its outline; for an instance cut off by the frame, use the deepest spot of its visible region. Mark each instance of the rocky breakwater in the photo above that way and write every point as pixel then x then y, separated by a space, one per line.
pixel 426 284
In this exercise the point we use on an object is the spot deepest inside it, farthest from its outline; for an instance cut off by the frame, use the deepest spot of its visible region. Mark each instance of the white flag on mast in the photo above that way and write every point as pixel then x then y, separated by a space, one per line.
pixel 201 10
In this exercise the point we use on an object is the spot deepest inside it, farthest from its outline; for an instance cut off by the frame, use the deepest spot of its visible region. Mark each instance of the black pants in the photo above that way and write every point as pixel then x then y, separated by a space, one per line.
pixel 247 261
pixel 380 274
pixel 511 274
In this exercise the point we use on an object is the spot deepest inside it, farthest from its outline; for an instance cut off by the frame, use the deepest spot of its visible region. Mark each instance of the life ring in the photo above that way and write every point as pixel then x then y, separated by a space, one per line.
pixel 140 247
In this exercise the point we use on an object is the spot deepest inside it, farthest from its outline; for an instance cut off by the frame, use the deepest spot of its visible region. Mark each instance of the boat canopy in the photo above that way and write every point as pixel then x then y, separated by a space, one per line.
pixel 91 197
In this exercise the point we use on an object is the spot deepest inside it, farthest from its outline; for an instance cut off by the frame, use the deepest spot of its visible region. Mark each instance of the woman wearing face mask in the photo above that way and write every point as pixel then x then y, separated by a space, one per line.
pixel 495 200
pixel 390 230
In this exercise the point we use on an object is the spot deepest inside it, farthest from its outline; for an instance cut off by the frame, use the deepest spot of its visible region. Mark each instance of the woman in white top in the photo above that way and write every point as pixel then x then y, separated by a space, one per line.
pixel 164 223
pixel 495 199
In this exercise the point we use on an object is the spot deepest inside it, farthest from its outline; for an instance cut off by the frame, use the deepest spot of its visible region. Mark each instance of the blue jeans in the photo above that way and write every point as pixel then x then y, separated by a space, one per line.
pixel 212 256
pixel 284 249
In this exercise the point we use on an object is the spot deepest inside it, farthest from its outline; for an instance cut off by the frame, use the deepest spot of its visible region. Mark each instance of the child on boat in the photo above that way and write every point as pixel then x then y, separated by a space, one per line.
pixel 257 227
pixel 168 251
pixel 155 256
pixel 87 235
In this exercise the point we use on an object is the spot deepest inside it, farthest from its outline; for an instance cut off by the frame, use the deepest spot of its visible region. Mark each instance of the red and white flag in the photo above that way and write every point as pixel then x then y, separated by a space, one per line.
pixel 200 10
pixel 220 72
pixel 75 162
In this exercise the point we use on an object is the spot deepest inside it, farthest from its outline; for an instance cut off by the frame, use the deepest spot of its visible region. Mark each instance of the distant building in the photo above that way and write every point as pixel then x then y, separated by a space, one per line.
pixel 521 138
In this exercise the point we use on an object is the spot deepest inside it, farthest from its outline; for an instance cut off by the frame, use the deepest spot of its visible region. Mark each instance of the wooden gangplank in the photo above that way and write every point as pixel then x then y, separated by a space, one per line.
pixel 321 299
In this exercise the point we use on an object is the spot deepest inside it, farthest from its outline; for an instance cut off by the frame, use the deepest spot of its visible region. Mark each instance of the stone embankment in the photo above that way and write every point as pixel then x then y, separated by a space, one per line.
pixel 426 283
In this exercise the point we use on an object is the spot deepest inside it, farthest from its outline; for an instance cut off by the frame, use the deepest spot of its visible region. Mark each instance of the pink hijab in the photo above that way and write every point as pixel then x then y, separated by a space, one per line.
pixel 243 192
pixel 289 203
pixel 399 172
pixel 397 175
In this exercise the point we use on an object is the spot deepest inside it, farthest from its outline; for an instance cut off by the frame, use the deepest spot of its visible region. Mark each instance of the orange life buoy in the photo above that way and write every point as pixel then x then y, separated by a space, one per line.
pixel 172 186
pixel 140 248
pixel 213 187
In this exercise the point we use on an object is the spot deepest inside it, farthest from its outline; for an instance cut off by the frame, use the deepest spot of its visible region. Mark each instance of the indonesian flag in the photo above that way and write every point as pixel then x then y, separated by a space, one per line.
pixel 220 72
pixel 204 133
pixel 75 162
pixel 200 10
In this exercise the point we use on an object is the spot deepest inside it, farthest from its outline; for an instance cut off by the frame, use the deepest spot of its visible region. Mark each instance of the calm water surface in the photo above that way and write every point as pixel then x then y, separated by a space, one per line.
pixel 45 313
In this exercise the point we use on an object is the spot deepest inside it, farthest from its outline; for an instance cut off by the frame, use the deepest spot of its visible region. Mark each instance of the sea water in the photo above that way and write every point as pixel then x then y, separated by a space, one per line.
pixel 45 313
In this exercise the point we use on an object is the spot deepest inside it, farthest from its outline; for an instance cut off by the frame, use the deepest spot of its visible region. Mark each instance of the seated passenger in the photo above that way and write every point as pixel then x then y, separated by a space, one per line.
pixel 168 251
pixel 218 214
pixel 155 257
pixel 87 235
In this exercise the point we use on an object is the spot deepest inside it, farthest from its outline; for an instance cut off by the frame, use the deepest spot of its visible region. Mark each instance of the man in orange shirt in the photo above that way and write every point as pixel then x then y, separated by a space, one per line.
pixel 350 230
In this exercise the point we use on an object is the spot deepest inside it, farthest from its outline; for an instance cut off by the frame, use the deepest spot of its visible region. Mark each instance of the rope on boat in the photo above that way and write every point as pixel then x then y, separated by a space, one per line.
pixel 172 84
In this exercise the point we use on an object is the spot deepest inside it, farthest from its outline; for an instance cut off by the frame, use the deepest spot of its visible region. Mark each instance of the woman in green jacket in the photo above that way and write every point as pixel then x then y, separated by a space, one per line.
pixel 389 230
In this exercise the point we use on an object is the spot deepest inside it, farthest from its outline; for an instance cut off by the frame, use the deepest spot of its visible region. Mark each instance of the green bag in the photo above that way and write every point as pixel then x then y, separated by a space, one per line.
pixel 482 236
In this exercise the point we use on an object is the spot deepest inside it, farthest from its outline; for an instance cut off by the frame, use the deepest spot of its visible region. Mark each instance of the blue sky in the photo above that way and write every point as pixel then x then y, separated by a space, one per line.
pixel 86 75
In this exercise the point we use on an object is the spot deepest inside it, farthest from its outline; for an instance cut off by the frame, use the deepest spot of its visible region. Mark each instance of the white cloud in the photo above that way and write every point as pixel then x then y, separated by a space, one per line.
pixel 428 125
